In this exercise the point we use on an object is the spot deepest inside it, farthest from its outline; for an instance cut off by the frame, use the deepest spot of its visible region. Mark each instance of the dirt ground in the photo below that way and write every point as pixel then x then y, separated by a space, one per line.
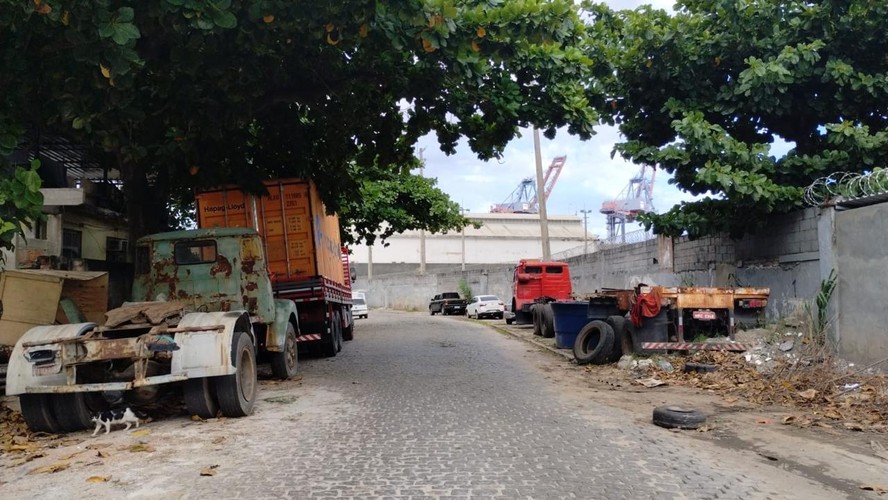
pixel 848 453
pixel 828 441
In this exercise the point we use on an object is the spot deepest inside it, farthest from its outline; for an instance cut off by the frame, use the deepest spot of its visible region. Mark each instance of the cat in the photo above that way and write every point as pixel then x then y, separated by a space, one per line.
pixel 108 418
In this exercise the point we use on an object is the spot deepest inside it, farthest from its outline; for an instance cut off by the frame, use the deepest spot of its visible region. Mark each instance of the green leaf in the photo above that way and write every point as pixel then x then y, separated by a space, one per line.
pixel 125 14
pixel 225 20
pixel 125 33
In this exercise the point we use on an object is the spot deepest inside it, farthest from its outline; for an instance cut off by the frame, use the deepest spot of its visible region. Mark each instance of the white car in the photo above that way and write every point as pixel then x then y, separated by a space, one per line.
pixel 485 306
pixel 359 307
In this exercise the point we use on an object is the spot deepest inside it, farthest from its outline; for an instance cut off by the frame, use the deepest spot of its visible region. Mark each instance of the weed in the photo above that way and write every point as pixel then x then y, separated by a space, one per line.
pixel 465 289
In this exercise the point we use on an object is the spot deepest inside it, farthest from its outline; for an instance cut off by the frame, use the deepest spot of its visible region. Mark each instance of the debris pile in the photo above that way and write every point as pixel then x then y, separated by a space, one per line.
pixel 821 390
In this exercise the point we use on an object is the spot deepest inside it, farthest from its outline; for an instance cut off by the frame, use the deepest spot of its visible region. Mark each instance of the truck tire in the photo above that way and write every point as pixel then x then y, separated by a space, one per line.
pixel 73 412
pixel 431 311
pixel 594 343
pixel 547 321
pixel 621 334
pixel 37 410
pixel 535 314
pixel 332 343
pixel 348 333
pixel 237 392
pixel 285 363
pixel 200 397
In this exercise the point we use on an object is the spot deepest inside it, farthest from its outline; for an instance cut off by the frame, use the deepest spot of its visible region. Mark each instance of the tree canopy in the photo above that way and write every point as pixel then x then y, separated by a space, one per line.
pixel 179 94
pixel 713 93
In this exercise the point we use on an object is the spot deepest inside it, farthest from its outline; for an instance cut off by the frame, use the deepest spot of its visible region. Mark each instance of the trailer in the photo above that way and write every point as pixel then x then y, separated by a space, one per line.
pixel 306 262
pixel 670 318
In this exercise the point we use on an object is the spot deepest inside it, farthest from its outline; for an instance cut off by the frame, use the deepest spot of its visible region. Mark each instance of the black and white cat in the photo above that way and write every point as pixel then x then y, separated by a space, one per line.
pixel 115 417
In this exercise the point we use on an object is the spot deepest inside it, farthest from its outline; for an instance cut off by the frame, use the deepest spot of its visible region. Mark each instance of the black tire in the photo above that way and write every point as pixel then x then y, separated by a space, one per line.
pixel 75 411
pixel 621 332
pixel 674 417
pixel 337 322
pixel 348 333
pixel 200 397
pixel 547 322
pixel 594 343
pixel 699 367
pixel 431 312
pixel 37 410
pixel 329 342
pixel 285 363
pixel 535 314
pixel 511 320
pixel 237 392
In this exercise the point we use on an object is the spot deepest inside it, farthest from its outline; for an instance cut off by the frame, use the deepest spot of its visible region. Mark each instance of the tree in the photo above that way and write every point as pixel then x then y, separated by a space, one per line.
pixel 179 94
pixel 707 92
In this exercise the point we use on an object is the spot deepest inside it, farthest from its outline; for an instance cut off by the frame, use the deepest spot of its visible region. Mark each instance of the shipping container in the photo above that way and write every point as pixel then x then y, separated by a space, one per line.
pixel 306 261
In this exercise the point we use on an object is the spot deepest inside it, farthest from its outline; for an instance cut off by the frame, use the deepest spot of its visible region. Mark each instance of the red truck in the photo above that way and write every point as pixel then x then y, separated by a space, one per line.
pixel 306 262
pixel 534 284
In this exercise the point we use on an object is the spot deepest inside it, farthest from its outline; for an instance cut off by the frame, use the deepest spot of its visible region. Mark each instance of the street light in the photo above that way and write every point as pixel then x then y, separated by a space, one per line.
pixel 585 231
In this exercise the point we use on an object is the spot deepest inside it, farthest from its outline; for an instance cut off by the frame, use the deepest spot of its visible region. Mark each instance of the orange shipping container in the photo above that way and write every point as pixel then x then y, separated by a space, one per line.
pixel 301 240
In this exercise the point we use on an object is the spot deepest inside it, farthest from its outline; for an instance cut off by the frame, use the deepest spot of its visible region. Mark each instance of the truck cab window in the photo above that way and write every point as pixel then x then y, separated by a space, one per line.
pixel 195 252
pixel 554 269
pixel 533 270
pixel 143 259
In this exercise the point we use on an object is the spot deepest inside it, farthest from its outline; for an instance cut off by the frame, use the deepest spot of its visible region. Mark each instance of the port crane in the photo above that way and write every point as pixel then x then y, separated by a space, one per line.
pixel 523 199
pixel 636 198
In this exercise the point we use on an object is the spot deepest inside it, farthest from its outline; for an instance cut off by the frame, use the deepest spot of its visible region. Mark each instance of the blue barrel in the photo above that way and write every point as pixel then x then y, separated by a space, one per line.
pixel 569 317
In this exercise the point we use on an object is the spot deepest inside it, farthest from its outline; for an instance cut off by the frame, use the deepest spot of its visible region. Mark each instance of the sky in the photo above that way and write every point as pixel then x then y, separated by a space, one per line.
pixel 589 176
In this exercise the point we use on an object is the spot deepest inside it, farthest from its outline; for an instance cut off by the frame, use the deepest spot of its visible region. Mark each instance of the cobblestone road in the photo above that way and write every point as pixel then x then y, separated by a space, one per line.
pixel 417 407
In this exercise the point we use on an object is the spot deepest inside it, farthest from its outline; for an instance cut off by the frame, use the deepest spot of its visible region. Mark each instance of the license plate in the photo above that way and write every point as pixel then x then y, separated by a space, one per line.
pixel 704 315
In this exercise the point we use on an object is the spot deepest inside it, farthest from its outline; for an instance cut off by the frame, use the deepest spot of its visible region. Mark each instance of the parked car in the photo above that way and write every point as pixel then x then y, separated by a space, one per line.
pixel 489 306
pixel 447 303
pixel 359 307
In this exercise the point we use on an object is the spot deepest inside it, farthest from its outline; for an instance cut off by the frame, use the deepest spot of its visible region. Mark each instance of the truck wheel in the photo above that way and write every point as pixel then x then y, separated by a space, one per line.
pixel 284 363
pixel 348 333
pixel 594 343
pixel 75 411
pixel 200 397
pixel 237 392
pixel 535 314
pixel 547 322
pixel 621 336
pixel 332 343
pixel 431 312
pixel 37 410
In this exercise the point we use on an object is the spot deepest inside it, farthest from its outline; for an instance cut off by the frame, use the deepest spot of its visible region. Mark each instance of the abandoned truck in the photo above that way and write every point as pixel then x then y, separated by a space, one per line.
pixel 208 307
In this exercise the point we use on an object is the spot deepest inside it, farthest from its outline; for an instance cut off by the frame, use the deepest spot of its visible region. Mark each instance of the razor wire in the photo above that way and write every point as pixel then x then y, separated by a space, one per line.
pixel 840 186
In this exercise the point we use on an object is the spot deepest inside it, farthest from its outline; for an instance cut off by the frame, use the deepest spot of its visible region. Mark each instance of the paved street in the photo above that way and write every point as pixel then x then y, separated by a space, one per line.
pixel 414 407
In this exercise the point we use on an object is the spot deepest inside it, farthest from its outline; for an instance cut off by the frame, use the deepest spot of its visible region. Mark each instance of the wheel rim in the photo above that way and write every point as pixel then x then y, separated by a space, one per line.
pixel 290 350
pixel 246 374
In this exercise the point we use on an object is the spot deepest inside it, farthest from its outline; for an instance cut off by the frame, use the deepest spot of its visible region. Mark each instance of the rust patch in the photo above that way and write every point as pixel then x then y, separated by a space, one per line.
pixel 248 263
pixel 222 266
pixel 251 286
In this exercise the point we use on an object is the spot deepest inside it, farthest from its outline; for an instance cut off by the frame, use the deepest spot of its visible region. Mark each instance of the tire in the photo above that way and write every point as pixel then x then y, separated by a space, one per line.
pixel 37 410
pixel 535 313
pixel 699 367
pixel 621 333
pixel 74 412
pixel 547 322
pixel 348 333
pixel 330 342
pixel 431 312
pixel 337 322
pixel 674 417
pixel 594 343
pixel 200 397
pixel 509 321
pixel 237 392
pixel 284 364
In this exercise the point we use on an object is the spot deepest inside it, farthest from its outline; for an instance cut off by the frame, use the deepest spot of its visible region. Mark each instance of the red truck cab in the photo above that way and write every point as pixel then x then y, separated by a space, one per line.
pixel 538 279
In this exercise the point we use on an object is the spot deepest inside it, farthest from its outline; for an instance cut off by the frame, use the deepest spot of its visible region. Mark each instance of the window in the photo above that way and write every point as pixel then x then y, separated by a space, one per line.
pixel 72 243
pixel 533 270
pixel 143 259
pixel 489 298
pixel 116 249
pixel 195 252
pixel 40 230
pixel 554 270
pixel 358 301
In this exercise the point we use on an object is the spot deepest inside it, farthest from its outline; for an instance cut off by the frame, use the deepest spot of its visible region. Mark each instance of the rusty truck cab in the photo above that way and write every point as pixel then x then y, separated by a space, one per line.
pixel 208 270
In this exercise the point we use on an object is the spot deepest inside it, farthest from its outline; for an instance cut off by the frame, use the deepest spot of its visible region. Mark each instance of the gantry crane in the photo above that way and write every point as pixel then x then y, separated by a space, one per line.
pixel 634 199
pixel 523 199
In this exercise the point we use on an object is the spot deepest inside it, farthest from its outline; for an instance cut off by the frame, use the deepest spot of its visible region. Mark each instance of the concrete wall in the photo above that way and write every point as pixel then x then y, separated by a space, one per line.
pixel 783 258
pixel 861 253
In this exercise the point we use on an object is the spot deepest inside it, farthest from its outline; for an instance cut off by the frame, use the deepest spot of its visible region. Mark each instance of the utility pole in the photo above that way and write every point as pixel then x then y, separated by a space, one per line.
pixel 585 232
pixel 422 255
pixel 464 211
pixel 369 263
pixel 541 197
